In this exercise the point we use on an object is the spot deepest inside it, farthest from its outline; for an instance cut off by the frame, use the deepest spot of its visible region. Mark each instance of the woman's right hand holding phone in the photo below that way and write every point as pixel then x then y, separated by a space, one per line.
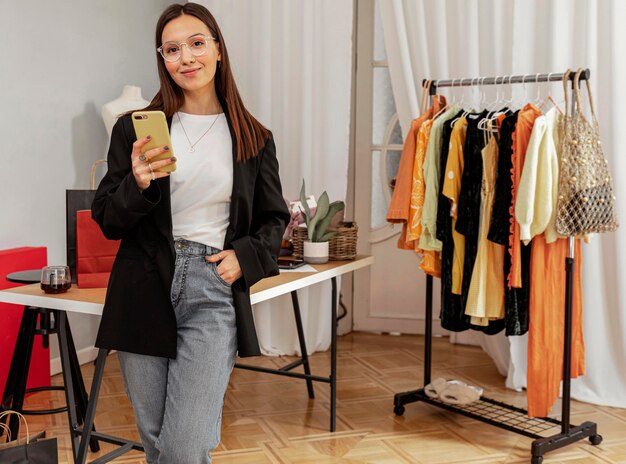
pixel 144 170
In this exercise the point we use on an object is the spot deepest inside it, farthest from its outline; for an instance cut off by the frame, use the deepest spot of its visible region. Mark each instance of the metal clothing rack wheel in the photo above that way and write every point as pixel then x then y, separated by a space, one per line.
pixel 549 434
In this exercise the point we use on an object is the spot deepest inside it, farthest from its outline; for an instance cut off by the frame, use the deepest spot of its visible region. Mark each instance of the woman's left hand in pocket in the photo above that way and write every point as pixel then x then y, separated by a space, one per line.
pixel 228 269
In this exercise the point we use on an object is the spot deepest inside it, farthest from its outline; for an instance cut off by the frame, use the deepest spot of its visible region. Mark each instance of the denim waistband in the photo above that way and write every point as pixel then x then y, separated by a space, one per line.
pixel 188 247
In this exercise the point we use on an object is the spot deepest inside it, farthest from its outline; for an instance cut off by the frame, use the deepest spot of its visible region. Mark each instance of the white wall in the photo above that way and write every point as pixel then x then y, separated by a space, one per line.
pixel 63 61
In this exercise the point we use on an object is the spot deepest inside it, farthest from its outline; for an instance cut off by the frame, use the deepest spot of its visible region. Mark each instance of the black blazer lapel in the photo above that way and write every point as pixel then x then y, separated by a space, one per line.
pixel 230 231
pixel 163 212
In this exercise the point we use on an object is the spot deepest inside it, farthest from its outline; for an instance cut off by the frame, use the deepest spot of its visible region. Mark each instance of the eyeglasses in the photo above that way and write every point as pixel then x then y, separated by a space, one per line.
pixel 197 45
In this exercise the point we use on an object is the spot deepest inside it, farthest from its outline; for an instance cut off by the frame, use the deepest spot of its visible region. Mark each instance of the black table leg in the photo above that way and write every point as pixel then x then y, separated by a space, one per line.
pixel 66 366
pixel 90 414
pixel 304 354
pixel 45 322
pixel 333 357
pixel 79 385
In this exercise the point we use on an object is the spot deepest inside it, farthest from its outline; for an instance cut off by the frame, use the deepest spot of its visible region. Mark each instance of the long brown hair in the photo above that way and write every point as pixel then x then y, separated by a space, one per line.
pixel 250 135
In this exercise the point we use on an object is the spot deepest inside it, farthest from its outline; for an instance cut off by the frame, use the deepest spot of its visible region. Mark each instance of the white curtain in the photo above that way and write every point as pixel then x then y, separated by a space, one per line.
pixel 469 38
pixel 292 64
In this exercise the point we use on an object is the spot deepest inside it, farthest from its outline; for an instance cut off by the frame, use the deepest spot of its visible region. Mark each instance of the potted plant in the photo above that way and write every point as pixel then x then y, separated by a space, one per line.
pixel 317 223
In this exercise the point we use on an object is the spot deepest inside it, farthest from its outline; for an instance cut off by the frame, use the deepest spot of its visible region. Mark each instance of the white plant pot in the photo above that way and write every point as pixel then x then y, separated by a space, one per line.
pixel 316 252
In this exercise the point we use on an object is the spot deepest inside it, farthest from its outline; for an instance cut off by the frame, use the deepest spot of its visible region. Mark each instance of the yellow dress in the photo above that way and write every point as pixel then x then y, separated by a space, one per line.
pixel 451 190
pixel 485 299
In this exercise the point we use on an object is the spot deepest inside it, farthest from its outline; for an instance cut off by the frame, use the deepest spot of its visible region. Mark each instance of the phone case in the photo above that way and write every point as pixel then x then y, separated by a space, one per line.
pixel 290 264
pixel 153 123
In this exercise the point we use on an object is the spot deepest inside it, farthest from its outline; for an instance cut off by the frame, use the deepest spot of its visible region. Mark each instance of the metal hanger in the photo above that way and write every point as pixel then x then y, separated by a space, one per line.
pixel 549 98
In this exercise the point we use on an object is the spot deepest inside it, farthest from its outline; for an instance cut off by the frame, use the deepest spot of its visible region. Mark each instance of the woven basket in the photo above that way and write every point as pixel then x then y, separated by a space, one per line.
pixel 341 247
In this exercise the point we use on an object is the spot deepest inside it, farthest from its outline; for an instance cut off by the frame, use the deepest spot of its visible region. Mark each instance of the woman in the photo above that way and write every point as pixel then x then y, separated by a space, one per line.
pixel 178 303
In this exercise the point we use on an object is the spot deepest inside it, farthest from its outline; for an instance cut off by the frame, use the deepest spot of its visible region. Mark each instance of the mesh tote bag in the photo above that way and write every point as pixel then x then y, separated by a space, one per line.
pixel 586 202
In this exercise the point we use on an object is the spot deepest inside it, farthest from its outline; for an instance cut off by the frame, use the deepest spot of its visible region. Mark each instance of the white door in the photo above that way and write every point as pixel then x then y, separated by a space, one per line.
pixel 390 297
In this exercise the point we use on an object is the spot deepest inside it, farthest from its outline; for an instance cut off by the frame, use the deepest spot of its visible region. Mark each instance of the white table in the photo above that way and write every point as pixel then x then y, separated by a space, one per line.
pixel 91 301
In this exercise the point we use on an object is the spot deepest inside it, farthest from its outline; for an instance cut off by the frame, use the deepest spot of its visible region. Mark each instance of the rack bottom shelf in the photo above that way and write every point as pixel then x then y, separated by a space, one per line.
pixel 546 431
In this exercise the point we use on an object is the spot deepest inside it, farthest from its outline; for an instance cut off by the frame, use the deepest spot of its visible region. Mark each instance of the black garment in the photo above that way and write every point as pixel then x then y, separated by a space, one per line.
pixel 138 316
pixel 451 315
pixel 468 216
pixel 500 216
pixel 468 219
pixel 516 300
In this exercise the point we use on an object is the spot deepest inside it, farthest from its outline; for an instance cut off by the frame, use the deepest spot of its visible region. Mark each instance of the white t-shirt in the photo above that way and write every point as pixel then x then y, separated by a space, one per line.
pixel 202 184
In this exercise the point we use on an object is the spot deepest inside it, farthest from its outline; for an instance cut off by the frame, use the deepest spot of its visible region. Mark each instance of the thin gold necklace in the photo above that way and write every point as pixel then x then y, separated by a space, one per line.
pixel 192 146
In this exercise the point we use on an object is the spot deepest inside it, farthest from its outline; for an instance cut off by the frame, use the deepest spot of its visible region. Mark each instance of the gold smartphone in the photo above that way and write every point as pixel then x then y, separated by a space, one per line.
pixel 154 124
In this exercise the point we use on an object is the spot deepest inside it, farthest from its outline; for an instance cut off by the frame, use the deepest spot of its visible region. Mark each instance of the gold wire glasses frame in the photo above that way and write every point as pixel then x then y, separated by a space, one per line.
pixel 197 45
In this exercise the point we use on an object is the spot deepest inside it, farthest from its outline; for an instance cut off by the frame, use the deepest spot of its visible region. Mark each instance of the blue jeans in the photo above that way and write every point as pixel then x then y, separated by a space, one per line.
pixel 178 402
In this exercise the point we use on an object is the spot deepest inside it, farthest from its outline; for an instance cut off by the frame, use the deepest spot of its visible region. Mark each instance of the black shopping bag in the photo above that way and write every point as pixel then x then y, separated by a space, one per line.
pixel 30 450
pixel 43 451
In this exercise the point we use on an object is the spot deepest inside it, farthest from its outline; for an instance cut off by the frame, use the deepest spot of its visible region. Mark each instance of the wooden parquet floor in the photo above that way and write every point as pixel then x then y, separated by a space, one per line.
pixel 269 419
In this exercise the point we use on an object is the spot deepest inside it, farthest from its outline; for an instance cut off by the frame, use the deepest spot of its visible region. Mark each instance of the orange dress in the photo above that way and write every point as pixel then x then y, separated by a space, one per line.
pixel 521 136
pixel 547 322
pixel 431 262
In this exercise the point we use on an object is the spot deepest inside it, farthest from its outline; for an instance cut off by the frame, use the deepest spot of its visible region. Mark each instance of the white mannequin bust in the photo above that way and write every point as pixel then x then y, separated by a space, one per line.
pixel 130 99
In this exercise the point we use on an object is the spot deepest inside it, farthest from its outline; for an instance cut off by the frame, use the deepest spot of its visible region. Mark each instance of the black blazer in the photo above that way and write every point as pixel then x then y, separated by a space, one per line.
pixel 138 316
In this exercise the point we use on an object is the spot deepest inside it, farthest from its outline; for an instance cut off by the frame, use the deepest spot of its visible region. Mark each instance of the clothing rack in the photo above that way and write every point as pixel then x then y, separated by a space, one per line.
pixel 494 412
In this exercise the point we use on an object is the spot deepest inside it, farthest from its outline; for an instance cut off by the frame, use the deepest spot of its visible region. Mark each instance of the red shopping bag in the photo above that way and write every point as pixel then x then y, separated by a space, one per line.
pixel 94 252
